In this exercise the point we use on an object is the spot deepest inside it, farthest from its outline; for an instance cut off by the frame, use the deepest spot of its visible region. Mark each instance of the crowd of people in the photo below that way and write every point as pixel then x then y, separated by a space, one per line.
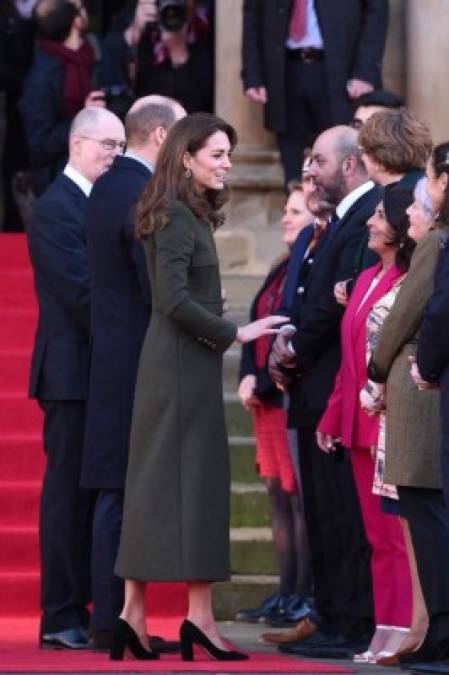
pixel 52 64
pixel 361 395
pixel 344 362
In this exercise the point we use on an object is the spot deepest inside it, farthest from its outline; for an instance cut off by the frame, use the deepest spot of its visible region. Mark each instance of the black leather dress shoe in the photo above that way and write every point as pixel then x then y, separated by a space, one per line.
pixel 101 641
pixel 71 638
pixel 426 654
pixel 331 647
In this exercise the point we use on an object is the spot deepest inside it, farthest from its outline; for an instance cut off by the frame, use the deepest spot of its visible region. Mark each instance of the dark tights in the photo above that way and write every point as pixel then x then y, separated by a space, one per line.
pixel 290 540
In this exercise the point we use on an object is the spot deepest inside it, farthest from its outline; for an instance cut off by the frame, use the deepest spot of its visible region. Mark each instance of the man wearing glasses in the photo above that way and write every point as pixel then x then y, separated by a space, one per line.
pixel 59 373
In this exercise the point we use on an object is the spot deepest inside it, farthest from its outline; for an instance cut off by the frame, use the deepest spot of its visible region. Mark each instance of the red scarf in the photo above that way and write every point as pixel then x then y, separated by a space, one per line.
pixel 269 301
pixel 78 69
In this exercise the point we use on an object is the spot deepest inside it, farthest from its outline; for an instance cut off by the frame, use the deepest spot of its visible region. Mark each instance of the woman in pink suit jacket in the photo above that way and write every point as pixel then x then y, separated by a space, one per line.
pixel 345 422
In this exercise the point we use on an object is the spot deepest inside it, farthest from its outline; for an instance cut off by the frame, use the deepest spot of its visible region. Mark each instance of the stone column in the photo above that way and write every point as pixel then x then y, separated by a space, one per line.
pixel 427 51
pixel 251 238
pixel 230 102
pixel 393 71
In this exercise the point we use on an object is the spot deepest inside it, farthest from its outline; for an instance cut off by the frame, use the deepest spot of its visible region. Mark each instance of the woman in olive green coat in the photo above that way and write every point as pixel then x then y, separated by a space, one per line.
pixel 176 512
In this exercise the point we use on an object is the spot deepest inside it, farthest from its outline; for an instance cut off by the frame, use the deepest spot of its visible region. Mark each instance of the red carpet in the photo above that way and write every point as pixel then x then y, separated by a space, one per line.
pixel 20 655
pixel 21 454
pixel 21 467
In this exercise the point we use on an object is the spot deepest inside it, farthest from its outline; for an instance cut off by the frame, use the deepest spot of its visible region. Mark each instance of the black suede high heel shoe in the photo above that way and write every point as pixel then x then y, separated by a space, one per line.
pixel 123 636
pixel 190 634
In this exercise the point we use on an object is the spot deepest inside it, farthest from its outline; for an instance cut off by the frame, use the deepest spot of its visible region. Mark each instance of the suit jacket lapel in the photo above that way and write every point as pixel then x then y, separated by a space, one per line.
pixel 69 185
pixel 350 315
pixel 320 249
pixel 296 260
pixel 333 230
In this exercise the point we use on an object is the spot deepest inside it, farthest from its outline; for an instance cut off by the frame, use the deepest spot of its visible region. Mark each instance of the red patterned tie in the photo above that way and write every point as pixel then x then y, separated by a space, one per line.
pixel 298 20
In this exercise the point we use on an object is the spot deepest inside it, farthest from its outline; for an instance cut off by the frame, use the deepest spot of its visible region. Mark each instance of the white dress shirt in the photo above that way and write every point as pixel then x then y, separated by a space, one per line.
pixel 82 182
pixel 352 197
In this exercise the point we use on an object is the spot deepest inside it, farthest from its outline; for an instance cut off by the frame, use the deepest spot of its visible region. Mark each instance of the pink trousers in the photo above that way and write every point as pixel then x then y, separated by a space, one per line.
pixel 392 588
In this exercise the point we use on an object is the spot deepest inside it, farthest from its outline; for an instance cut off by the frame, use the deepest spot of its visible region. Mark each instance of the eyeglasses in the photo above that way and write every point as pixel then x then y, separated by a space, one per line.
pixel 107 143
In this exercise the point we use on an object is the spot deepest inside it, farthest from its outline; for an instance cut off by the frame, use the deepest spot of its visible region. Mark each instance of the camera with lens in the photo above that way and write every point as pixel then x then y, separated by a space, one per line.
pixel 172 14
pixel 118 98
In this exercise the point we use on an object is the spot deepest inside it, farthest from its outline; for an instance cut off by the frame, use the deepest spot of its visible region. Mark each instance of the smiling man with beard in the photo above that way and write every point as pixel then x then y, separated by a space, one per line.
pixel 342 622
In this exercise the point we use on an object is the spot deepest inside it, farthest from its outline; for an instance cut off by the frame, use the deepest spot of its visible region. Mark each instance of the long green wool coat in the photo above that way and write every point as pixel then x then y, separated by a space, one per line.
pixel 176 513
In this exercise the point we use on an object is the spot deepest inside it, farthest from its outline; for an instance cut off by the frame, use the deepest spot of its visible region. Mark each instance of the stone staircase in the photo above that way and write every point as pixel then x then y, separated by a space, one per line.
pixel 253 564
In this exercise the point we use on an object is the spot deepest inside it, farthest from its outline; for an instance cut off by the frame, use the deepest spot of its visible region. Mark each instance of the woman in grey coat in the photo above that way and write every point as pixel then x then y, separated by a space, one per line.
pixel 176 510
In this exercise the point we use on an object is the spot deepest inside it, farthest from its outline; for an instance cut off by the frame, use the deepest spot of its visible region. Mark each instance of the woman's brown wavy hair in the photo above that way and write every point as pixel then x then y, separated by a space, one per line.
pixel 169 181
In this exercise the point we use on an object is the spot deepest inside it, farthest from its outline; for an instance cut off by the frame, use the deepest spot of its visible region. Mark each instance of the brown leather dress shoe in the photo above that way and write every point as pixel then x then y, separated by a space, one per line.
pixel 304 629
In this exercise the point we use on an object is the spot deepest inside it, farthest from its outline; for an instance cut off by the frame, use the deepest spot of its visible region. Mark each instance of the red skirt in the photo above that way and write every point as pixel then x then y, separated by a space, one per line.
pixel 273 459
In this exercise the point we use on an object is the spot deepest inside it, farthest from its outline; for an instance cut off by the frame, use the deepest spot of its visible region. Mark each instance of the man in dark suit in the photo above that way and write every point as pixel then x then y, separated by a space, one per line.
pixel 57 244
pixel 306 60
pixel 340 552
pixel 120 312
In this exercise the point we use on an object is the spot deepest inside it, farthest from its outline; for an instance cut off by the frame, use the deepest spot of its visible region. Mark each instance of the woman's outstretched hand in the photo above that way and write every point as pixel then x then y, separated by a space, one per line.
pixel 265 326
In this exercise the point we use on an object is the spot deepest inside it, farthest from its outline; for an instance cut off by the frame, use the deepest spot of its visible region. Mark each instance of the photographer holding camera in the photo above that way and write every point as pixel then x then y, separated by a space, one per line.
pixel 57 87
pixel 161 47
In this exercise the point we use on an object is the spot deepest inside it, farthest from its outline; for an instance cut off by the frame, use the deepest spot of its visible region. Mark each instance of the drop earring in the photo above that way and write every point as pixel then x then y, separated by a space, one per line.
pixel 188 173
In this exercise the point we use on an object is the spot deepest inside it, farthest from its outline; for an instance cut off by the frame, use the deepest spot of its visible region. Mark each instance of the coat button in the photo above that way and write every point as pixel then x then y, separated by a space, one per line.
pixel 300 290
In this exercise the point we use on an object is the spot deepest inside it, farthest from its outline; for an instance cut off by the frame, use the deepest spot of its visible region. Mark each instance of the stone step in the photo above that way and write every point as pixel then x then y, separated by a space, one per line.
pixel 231 366
pixel 243 451
pixel 249 505
pixel 252 551
pixel 238 420
pixel 242 592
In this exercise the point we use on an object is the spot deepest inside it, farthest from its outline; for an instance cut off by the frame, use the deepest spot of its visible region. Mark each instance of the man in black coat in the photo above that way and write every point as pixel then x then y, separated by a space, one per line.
pixel 57 244
pixel 120 312
pixel 340 552
pixel 306 60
